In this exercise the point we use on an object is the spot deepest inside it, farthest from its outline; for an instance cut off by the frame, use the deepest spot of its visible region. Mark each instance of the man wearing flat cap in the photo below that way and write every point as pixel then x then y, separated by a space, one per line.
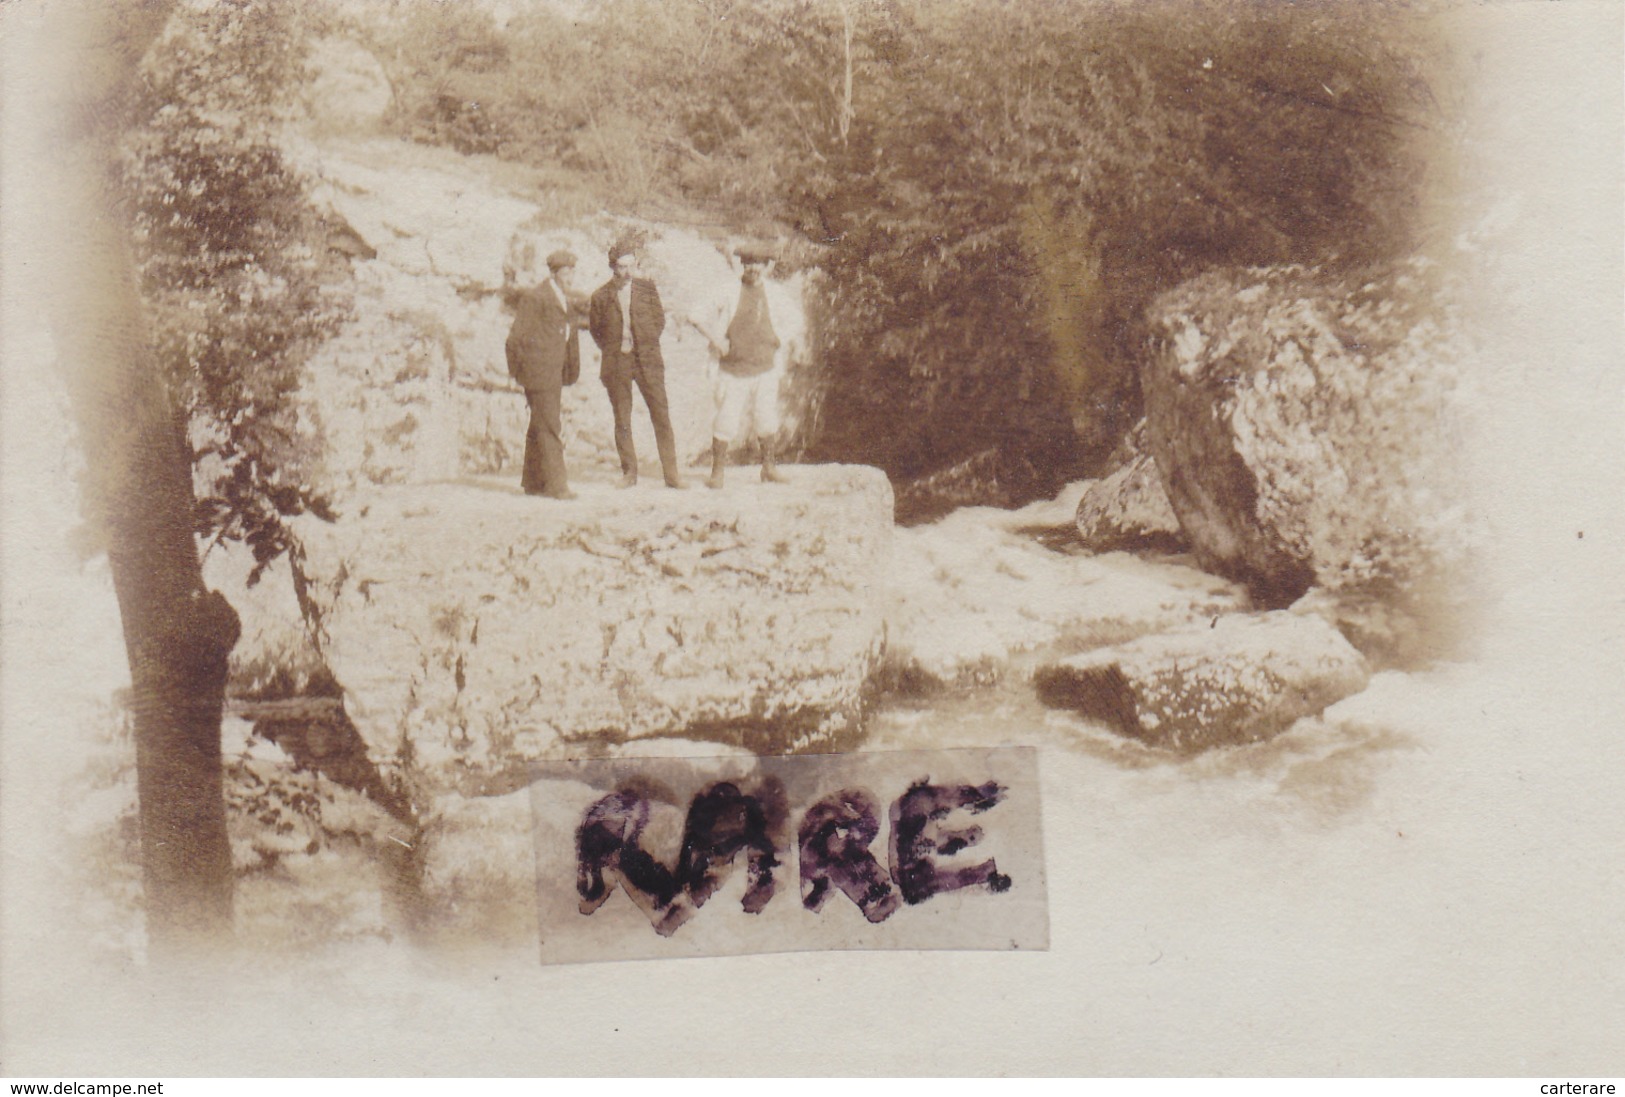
pixel 749 357
pixel 626 319
pixel 544 354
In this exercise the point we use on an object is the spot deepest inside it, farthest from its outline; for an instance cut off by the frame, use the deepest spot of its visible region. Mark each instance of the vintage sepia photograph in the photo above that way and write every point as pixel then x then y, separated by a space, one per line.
pixel 812 537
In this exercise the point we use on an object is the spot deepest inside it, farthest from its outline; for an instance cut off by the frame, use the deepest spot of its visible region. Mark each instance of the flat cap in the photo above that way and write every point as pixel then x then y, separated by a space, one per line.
pixel 561 259
pixel 620 248
pixel 754 253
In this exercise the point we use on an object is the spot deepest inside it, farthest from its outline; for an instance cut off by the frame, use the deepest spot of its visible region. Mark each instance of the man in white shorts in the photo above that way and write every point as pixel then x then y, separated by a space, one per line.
pixel 747 393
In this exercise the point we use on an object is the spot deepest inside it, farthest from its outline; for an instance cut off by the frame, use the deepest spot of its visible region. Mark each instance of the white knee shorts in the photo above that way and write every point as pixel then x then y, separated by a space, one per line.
pixel 737 397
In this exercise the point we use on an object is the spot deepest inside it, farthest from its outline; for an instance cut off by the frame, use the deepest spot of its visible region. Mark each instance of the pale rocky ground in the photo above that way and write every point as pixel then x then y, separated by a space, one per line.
pixel 437 608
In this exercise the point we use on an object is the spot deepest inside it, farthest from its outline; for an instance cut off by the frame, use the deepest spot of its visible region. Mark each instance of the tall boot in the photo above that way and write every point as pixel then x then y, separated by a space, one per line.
pixel 719 461
pixel 770 468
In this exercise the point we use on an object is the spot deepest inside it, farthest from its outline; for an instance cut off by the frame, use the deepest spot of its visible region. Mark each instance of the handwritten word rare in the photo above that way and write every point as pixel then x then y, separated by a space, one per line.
pixel 834 845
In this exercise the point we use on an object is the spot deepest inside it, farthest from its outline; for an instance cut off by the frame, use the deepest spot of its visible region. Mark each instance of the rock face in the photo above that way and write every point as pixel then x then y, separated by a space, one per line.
pixel 1237 680
pixel 1306 428
pixel 474 628
pixel 969 595
pixel 1129 508
pixel 346 89
pixel 415 388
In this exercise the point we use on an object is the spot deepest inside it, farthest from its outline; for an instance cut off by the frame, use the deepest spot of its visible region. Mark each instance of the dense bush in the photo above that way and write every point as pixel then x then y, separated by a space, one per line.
pixel 1042 170
pixel 1309 425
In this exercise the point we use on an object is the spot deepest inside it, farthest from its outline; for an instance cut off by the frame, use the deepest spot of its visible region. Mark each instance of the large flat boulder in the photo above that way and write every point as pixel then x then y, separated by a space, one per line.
pixel 473 628
pixel 346 88
pixel 1308 427
pixel 477 856
pixel 1237 679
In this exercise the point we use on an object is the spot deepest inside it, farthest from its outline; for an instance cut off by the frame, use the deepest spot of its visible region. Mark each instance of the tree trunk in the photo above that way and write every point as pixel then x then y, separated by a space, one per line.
pixel 846 83
pixel 138 481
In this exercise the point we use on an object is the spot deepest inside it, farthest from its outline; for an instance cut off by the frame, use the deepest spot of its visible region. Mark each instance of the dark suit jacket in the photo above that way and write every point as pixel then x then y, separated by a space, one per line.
pixel 544 349
pixel 648 321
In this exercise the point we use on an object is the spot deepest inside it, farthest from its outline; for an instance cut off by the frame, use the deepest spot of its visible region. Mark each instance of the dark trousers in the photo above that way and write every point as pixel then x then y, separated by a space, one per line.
pixel 651 381
pixel 544 472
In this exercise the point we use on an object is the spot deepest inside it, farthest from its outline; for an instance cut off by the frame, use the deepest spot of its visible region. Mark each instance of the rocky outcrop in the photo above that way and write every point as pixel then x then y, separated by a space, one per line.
pixel 973 593
pixel 474 629
pixel 1307 428
pixel 1235 680
pixel 1128 509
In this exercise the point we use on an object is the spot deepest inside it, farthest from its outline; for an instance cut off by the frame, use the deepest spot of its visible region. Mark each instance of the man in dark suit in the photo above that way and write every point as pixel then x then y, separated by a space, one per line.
pixel 626 319
pixel 544 354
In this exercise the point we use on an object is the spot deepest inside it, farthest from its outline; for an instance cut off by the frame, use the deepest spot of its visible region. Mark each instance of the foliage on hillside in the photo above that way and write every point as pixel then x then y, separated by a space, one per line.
pixel 1012 223
pixel 232 260
pixel 995 189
